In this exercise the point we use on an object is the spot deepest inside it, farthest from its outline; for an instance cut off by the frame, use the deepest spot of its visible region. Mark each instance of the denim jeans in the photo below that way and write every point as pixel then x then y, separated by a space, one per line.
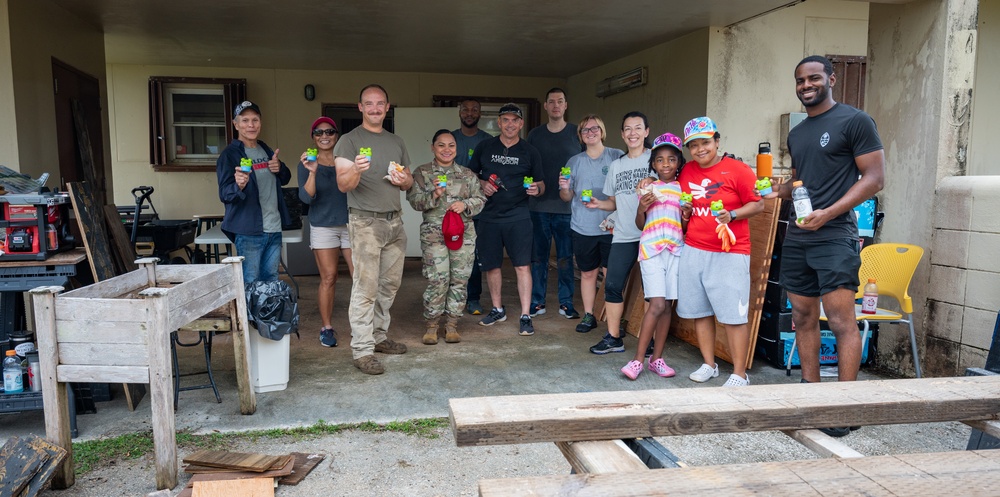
pixel 546 227
pixel 261 254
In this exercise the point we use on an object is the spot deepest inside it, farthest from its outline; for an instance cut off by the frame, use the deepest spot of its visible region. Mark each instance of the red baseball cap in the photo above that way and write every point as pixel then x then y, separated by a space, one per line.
pixel 322 120
pixel 452 227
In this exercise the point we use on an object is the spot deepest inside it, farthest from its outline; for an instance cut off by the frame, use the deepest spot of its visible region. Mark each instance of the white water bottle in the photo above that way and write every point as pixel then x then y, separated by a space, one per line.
pixel 800 199
pixel 869 300
pixel 13 382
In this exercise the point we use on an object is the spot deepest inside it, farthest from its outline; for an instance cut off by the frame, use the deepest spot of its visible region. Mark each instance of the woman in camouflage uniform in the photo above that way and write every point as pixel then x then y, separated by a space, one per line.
pixel 447 271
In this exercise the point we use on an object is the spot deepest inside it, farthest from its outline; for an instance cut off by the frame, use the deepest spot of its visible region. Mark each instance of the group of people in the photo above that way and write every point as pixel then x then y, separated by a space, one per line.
pixel 686 222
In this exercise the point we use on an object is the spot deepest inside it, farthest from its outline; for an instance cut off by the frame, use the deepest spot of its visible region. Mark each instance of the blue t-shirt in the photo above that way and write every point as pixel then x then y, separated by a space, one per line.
pixel 589 174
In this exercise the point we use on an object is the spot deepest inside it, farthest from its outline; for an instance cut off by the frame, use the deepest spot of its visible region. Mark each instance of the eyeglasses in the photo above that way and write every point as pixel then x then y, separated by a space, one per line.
pixel 327 132
pixel 592 129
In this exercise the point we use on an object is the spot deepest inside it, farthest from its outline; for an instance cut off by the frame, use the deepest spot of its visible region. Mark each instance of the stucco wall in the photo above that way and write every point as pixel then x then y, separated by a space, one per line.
pixel 919 74
pixel 751 66
pixel 40 31
pixel 675 91
pixel 986 98
pixel 286 118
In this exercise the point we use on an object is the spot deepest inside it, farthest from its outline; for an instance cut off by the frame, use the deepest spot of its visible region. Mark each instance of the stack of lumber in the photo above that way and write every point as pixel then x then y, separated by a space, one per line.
pixel 26 465
pixel 220 473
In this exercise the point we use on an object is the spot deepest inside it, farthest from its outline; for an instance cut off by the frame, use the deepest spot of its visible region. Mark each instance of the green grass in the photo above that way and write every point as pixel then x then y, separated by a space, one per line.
pixel 95 454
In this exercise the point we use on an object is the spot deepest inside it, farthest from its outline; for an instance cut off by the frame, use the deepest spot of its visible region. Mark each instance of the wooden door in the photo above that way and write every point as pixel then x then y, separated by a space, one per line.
pixel 69 85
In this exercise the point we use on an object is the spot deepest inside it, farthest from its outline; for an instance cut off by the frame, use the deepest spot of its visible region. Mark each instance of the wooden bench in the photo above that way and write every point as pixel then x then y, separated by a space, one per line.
pixel 587 425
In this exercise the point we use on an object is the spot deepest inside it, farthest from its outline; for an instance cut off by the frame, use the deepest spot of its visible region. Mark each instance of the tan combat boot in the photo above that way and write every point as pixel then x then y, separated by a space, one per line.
pixel 451 330
pixel 431 335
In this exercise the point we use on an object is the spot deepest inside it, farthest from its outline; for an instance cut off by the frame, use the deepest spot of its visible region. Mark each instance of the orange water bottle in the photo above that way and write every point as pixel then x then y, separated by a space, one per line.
pixel 869 301
pixel 764 160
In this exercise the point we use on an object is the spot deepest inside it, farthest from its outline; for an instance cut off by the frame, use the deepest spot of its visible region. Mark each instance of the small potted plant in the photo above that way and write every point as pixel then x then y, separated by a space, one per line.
pixel 528 180
pixel 716 207
pixel 442 180
pixel 246 165
pixel 311 154
pixel 586 195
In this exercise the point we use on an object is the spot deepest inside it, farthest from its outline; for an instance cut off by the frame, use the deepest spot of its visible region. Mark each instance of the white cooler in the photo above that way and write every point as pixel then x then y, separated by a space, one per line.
pixel 268 362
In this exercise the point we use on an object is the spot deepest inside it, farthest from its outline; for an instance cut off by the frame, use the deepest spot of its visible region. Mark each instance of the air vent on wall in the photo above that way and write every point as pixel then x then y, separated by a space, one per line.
pixel 622 82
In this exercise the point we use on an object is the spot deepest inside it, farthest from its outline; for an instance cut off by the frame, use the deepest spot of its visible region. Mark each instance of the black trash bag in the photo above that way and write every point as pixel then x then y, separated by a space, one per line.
pixel 272 308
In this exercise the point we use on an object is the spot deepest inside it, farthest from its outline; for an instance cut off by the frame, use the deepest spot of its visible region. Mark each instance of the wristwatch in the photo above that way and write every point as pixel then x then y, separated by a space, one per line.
pixel 732 215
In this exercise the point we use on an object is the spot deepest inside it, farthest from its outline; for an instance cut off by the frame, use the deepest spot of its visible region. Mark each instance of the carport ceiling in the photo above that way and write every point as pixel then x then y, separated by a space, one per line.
pixel 553 38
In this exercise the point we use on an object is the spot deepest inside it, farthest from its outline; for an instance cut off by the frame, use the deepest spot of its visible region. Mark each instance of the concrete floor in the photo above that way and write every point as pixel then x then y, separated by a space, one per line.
pixel 324 385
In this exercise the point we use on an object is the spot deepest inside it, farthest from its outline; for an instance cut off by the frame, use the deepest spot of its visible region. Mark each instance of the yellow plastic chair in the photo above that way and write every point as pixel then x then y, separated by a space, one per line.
pixel 892 265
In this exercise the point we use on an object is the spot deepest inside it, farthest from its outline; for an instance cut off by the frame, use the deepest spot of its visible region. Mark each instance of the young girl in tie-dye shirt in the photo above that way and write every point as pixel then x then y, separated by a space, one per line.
pixel 660 217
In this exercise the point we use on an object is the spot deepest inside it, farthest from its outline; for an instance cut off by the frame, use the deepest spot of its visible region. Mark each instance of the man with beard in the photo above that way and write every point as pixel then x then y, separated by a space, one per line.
pixel 510 171
pixel 374 225
pixel 820 257
pixel 466 138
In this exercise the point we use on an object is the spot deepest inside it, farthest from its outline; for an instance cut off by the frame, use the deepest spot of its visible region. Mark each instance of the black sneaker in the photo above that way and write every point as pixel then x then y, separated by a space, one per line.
pixel 495 315
pixel 588 323
pixel 842 431
pixel 328 337
pixel 527 329
pixel 649 349
pixel 537 309
pixel 608 344
pixel 568 311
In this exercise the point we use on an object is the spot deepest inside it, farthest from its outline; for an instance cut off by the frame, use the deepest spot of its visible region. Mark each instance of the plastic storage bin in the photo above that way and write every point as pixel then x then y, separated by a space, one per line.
pixel 268 362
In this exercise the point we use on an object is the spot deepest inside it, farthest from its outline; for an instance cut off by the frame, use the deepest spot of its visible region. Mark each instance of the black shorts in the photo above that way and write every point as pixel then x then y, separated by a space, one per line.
pixel 591 252
pixel 493 238
pixel 813 269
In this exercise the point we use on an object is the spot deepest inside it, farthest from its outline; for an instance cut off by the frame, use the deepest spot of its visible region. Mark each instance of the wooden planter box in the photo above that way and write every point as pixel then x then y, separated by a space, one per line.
pixel 118 331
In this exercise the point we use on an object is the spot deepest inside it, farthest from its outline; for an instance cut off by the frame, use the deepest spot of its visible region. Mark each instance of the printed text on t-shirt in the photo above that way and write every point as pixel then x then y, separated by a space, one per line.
pixel 505 160
pixel 627 180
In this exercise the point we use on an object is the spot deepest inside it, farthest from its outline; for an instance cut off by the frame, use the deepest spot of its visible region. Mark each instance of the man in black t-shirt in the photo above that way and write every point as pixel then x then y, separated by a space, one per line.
pixel 834 146
pixel 504 165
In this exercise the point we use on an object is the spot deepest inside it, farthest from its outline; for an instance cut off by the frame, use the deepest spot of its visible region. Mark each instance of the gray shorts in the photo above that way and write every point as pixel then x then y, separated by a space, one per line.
pixel 714 283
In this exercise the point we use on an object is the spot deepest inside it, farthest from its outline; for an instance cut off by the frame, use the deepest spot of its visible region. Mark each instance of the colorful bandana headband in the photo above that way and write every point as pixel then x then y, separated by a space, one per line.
pixel 699 127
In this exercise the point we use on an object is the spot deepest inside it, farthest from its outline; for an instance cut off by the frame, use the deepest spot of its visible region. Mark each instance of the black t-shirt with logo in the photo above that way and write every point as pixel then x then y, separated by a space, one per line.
pixel 511 165
pixel 823 149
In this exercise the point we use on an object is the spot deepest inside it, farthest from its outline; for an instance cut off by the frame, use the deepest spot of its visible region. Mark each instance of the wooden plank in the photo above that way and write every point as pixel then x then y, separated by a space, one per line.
pixel 762 231
pixel 241 339
pixel 121 241
pixel 180 273
pixel 19 462
pixel 219 325
pixel 241 461
pixel 822 444
pixel 283 466
pixel 102 374
pixel 115 287
pixel 83 141
pixel 54 395
pixel 199 296
pixel 631 414
pixel 90 218
pixel 68 258
pixel 991 428
pixel 255 487
pixel 949 473
pixel 600 456
pixel 100 309
pixel 103 354
pixel 69 331
pixel 304 464
pixel 161 394
pixel 55 456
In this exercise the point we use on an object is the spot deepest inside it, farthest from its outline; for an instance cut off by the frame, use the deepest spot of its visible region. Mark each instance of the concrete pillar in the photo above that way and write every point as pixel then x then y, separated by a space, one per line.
pixel 921 63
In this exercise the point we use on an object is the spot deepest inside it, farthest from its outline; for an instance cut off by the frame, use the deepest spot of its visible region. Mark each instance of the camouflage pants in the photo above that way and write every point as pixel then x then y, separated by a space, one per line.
pixel 447 271
pixel 378 248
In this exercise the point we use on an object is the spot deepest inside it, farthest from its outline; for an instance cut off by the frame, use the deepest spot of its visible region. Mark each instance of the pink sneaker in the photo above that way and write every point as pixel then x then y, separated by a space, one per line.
pixel 632 369
pixel 660 367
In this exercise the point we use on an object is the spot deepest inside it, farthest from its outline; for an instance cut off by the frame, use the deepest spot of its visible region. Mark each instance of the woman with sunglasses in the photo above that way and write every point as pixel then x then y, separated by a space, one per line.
pixel 591 245
pixel 328 237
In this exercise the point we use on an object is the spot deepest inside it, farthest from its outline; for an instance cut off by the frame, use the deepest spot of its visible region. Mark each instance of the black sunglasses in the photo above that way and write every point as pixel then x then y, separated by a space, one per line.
pixel 327 132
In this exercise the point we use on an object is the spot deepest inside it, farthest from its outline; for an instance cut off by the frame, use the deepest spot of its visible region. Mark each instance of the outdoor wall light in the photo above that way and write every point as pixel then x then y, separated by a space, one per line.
pixel 310 92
